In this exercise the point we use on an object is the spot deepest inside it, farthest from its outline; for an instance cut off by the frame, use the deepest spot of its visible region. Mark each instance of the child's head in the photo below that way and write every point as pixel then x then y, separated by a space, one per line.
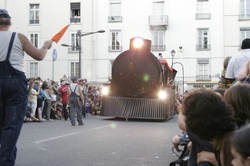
pixel 240 147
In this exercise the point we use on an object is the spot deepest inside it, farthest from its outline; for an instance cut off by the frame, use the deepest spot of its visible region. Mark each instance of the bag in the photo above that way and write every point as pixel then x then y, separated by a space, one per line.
pixel 182 159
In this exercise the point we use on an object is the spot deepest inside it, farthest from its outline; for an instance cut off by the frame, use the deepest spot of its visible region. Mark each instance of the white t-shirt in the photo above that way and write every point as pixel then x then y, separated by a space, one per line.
pixel 237 63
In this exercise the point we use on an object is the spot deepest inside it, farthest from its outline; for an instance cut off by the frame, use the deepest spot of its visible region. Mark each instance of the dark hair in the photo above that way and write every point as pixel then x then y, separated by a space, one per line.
pixel 245 44
pixel 4 21
pixel 238 97
pixel 241 141
pixel 45 85
pixel 207 115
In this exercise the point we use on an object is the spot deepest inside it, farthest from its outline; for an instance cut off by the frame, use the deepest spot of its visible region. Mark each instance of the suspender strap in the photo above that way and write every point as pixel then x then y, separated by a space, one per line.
pixel 10 45
pixel 74 89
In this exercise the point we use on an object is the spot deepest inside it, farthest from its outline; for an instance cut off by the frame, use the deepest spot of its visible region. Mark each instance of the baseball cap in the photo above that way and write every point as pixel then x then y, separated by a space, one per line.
pixel 73 78
pixel 4 13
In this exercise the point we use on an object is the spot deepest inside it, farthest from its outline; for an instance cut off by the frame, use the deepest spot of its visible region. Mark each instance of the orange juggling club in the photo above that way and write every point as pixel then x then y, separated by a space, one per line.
pixel 59 35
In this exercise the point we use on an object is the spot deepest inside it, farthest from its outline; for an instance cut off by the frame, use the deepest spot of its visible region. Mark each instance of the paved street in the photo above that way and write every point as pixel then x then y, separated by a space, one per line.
pixel 102 141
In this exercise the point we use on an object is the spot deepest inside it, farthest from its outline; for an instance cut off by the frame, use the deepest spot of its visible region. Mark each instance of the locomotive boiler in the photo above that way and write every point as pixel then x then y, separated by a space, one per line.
pixel 140 87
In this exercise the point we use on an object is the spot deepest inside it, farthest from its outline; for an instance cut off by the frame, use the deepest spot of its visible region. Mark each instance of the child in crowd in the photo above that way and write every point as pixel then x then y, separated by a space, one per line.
pixel 88 105
pixel 240 147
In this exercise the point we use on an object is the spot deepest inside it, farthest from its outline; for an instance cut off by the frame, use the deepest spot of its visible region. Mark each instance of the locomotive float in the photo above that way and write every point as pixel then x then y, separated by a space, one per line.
pixel 139 87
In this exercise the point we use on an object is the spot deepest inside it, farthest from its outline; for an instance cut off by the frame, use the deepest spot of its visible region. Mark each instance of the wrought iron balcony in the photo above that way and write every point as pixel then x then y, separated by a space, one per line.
pixel 115 48
pixel 202 16
pixel 115 19
pixel 75 19
pixel 158 47
pixel 34 21
pixel 203 47
pixel 158 20
pixel 203 78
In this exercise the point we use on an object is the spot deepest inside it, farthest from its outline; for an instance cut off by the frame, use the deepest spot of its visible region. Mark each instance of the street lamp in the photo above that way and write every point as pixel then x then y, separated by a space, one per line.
pixel 173 54
pixel 80 34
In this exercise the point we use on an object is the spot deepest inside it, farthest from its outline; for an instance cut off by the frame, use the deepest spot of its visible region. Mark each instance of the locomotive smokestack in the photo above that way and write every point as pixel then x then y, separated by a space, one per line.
pixel 138 43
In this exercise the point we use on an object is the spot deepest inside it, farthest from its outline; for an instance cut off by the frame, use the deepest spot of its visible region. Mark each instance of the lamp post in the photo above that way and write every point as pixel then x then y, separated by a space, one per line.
pixel 80 34
pixel 173 54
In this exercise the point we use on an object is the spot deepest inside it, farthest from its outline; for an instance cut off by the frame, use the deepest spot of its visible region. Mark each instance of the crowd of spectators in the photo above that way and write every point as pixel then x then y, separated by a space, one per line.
pixel 49 100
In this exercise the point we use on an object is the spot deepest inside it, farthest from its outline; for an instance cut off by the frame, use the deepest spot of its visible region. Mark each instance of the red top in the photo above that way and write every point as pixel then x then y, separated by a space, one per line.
pixel 64 92
pixel 165 63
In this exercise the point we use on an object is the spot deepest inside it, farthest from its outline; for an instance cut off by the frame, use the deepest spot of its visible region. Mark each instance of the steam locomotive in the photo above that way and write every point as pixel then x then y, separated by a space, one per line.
pixel 140 87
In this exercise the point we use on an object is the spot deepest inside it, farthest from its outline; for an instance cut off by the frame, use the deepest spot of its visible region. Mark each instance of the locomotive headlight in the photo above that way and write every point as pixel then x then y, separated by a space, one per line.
pixel 138 42
pixel 105 91
pixel 162 95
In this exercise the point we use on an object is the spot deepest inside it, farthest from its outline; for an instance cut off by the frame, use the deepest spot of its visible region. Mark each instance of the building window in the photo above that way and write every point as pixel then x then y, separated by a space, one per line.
pixel 33 69
pixel 203 70
pixel 115 42
pixel 245 9
pixel 158 42
pixel 203 42
pixel 203 10
pixel 74 42
pixel 244 33
pixel 34 39
pixel 74 69
pixel 115 11
pixel 75 13
pixel 158 18
pixel 34 13
pixel 158 8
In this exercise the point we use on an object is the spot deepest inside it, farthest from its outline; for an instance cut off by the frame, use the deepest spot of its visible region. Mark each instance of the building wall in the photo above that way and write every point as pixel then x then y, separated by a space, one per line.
pixel 96 59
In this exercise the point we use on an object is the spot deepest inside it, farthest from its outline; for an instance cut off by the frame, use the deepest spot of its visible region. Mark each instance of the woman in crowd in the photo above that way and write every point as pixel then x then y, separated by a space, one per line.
pixel 47 93
pixel 238 98
pixel 208 117
pixel 32 100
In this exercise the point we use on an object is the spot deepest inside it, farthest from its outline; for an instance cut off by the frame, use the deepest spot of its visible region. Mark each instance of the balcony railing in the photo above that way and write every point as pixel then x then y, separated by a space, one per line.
pixel 115 48
pixel 34 21
pixel 203 78
pixel 203 47
pixel 75 19
pixel 202 16
pixel 115 19
pixel 244 16
pixel 158 47
pixel 160 20
pixel 73 49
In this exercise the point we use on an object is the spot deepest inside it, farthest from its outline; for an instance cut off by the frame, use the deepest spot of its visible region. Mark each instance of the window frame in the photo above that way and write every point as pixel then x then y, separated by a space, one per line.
pixel 244 9
pixel 34 17
pixel 203 40
pixel 158 40
pixel 33 69
pixel 74 68
pixel 244 33
pixel 34 41
pixel 203 70
pixel 115 41
pixel 75 12
pixel 74 42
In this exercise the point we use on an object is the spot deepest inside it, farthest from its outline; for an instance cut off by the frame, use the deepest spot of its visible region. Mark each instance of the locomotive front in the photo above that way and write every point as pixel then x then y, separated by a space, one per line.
pixel 137 87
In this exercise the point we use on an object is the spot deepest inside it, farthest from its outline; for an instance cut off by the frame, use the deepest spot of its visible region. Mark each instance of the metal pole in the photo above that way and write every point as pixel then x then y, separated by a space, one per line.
pixel 52 68
pixel 80 52
pixel 182 74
